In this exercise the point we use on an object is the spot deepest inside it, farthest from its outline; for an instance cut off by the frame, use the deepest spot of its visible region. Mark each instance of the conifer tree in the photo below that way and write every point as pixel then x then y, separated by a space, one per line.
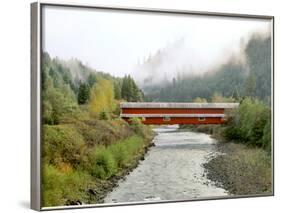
pixel 83 93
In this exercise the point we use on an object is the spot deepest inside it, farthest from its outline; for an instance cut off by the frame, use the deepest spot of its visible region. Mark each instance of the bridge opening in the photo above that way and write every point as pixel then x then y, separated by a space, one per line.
pixel 166 118
pixel 201 119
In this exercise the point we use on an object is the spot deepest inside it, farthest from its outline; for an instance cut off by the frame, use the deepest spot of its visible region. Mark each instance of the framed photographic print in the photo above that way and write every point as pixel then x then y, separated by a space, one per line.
pixel 137 105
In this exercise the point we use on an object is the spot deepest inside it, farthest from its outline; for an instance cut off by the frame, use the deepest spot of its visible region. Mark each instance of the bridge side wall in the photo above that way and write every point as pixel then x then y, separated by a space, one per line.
pixel 161 121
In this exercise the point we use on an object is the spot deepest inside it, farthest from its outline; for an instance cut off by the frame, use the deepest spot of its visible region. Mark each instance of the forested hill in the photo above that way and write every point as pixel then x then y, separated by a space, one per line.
pixel 250 76
pixel 69 85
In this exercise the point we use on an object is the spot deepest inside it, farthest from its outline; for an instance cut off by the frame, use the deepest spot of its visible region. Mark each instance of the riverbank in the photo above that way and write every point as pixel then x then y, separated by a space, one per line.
pixel 84 159
pixel 239 168
pixel 103 187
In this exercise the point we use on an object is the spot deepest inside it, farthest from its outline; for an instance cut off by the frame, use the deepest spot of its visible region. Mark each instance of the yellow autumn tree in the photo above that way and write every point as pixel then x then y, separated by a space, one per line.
pixel 102 97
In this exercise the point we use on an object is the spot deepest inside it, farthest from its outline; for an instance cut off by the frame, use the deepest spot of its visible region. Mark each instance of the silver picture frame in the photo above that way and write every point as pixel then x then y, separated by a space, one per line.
pixel 36 107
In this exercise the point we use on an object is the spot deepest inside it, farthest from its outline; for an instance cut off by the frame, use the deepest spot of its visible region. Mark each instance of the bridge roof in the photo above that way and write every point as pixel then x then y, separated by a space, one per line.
pixel 173 115
pixel 177 105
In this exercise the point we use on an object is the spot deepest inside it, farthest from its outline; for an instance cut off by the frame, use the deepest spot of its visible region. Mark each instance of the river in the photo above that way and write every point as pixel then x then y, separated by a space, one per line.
pixel 172 170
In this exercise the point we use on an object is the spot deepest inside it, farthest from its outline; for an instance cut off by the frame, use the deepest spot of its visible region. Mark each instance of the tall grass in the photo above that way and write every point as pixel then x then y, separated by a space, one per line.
pixel 109 160
pixel 61 188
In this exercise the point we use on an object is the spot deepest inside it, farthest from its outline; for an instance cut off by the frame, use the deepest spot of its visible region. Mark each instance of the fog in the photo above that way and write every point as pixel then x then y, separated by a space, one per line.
pixel 122 43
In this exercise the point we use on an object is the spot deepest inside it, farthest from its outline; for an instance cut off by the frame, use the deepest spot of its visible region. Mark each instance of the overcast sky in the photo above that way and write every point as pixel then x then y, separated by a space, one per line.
pixel 114 42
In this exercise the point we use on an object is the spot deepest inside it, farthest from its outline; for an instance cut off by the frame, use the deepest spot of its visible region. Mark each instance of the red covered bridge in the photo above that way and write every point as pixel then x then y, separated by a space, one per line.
pixel 176 113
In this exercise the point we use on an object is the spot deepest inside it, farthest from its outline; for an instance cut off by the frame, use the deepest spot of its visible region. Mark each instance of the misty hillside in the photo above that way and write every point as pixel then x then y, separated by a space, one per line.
pixel 69 84
pixel 248 74
pixel 72 72
pixel 161 66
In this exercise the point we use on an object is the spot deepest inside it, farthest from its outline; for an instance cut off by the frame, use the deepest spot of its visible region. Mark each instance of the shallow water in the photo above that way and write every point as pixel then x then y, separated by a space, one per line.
pixel 172 170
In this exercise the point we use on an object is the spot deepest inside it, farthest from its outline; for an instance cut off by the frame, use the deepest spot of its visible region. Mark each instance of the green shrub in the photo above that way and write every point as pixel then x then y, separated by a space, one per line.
pixel 62 143
pixel 58 103
pixel 120 153
pixel 133 144
pixel 266 138
pixel 232 133
pixel 105 164
pixel 103 115
pixel 109 160
pixel 139 128
pixel 250 124
pixel 52 191
pixel 104 132
pixel 124 151
pixel 60 188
